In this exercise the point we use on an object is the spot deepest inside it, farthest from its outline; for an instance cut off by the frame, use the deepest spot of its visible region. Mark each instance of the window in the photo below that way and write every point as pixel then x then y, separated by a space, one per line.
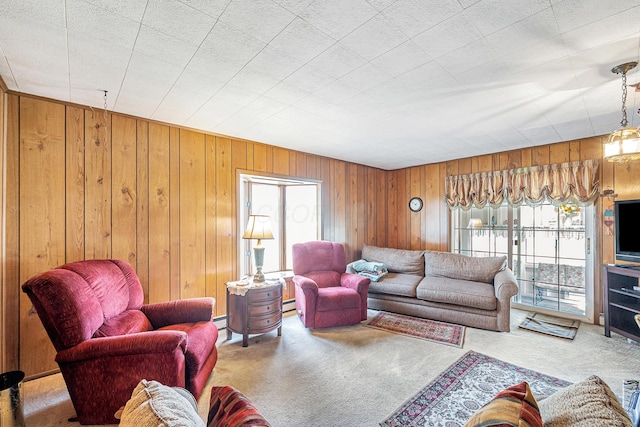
pixel 293 206
pixel 547 247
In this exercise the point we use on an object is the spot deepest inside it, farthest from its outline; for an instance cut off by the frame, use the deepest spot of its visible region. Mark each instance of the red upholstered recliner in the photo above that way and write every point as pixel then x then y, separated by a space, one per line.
pixel 325 295
pixel 107 340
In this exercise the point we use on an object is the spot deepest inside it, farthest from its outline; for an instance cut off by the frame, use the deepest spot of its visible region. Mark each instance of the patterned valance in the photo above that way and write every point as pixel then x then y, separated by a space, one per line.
pixel 574 182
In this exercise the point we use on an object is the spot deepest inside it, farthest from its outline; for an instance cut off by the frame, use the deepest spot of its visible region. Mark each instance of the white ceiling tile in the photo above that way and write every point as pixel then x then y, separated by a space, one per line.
pixel 490 16
pixel 381 4
pixel 413 17
pixel 286 93
pixel 447 36
pixel 34 10
pixel 192 26
pixel 5 72
pixel 261 19
pixel 338 18
pixel 401 59
pixel 365 77
pixel 212 8
pixel 337 61
pixel 132 9
pixel 374 38
pixel 275 63
pixel 161 46
pixel 231 44
pixel 211 114
pixel 467 57
pixel 254 81
pixel 572 14
pixel 302 40
pixel 294 6
pixel 204 62
pixel 518 36
pixel 100 23
pixel 94 73
pixel 309 79
pixel 234 95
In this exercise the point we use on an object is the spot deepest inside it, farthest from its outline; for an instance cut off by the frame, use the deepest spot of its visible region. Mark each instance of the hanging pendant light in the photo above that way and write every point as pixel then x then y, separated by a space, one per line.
pixel 623 144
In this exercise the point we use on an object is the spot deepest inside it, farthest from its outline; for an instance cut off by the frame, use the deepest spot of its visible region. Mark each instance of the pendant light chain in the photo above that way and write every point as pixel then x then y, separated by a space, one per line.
pixel 105 118
pixel 624 99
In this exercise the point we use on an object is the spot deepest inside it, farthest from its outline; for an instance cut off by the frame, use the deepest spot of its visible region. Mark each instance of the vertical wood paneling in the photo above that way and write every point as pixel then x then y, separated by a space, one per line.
pixel 97 186
pixel 280 161
pixel 444 213
pixel 540 155
pixel 174 212
pixel 353 223
pixel 432 204
pixel 75 182
pixel 380 201
pixel 192 214
pixel 142 207
pixel 392 209
pixel 559 153
pixel 159 214
pixel 415 181
pixel 123 188
pixel 338 174
pixel 11 285
pixel 403 212
pixel 211 265
pixel 371 208
pixel 225 232
pixel 42 216
pixel 3 146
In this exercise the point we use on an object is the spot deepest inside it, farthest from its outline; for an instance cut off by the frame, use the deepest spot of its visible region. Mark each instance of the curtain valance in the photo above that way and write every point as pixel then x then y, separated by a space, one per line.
pixel 573 182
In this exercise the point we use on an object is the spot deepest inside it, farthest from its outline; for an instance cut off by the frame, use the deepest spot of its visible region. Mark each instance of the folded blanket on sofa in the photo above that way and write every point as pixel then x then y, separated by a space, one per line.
pixel 364 265
pixel 372 270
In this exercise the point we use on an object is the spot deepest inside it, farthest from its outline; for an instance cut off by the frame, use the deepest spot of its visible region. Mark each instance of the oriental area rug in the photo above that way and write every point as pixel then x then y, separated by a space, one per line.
pixel 467 385
pixel 430 330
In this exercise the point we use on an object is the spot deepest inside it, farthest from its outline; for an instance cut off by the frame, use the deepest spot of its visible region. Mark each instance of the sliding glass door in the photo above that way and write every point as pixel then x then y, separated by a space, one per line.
pixel 547 247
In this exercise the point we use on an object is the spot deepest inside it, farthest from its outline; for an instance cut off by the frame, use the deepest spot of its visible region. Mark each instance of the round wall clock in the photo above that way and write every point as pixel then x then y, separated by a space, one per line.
pixel 415 204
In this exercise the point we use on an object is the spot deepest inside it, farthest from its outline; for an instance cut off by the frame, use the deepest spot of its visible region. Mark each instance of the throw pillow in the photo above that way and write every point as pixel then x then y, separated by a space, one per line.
pixel 228 407
pixel 153 404
pixel 457 266
pixel 514 406
pixel 589 403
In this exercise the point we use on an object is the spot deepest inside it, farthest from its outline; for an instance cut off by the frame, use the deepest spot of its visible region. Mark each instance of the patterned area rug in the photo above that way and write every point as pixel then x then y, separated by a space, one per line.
pixel 466 386
pixel 551 325
pixel 430 330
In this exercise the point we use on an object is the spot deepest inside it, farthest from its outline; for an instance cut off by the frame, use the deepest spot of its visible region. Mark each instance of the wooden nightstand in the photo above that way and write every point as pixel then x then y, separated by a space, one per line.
pixel 253 309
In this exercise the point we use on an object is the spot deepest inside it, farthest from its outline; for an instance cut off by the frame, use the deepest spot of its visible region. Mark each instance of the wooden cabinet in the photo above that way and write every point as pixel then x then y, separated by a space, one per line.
pixel 258 311
pixel 621 301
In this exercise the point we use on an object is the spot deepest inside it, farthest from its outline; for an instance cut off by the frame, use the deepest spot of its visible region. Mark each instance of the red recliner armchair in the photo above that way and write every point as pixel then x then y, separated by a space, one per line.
pixel 107 340
pixel 325 294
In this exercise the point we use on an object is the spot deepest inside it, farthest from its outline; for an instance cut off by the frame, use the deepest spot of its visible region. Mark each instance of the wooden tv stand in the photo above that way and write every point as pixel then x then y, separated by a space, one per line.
pixel 621 302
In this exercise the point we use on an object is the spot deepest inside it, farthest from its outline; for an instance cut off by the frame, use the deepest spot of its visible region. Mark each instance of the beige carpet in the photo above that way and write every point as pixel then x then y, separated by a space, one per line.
pixel 357 376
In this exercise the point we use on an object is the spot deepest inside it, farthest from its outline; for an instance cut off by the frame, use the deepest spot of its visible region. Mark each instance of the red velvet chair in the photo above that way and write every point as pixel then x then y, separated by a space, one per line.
pixel 325 295
pixel 107 340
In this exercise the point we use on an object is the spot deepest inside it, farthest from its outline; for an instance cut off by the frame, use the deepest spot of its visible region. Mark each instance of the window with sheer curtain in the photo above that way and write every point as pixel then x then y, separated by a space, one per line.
pixel 293 206
pixel 542 219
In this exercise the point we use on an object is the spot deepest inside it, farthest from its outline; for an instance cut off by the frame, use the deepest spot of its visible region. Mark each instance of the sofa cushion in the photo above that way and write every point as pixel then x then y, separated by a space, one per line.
pixel 127 322
pixel 153 404
pixel 201 341
pixel 396 260
pixel 397 284
pixel 514 406
pixel 457 292
pixel 337 298
pixel 457 266
pixel 589 403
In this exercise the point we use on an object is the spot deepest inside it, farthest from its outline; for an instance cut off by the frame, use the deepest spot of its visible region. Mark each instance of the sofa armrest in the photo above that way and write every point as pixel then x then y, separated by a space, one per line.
pixel 350 268
pixel 505 285
pixel 125 345
pixel 179 311
pixel 355 282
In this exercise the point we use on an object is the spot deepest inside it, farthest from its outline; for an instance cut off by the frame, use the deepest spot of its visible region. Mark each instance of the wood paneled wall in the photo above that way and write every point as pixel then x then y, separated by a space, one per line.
pixel 164 199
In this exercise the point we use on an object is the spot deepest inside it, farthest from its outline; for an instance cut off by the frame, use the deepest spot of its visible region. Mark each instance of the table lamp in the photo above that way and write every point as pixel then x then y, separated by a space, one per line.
pixel 258 227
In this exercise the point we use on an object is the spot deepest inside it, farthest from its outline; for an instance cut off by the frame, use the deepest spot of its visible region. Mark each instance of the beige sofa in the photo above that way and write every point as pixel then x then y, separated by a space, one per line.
pixel 442 286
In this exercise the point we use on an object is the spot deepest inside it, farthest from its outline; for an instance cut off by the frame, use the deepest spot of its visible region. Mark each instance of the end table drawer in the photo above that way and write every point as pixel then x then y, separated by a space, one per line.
pixel 259 295
pixel 264 323
pixel 266 308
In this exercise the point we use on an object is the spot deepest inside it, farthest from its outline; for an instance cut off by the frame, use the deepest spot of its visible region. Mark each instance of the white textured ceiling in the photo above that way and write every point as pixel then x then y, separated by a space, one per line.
pixel 386 83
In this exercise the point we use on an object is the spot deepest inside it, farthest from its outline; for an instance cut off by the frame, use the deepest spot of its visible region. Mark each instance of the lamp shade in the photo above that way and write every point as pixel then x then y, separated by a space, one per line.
pixel 623 145
pixel 258 227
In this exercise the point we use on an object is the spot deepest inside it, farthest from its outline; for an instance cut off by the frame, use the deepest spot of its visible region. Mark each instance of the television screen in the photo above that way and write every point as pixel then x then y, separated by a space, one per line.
pixel 627 217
